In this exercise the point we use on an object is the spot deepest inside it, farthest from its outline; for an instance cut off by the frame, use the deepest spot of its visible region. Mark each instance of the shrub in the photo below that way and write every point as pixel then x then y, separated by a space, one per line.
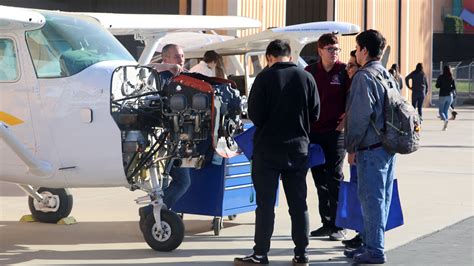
pixel 453 24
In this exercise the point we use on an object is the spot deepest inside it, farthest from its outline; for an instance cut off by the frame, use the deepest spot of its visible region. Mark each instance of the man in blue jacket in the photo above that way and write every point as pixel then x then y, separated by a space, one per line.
pixel 282 103
pixel 364 115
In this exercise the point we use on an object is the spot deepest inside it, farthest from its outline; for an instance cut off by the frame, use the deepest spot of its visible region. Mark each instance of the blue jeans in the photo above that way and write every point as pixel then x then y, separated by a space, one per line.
pixel 178 186
pixel 375 184
pixel 443 106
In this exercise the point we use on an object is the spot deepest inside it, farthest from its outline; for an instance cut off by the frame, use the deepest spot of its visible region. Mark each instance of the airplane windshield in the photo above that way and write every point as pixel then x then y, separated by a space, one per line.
pixel 68 44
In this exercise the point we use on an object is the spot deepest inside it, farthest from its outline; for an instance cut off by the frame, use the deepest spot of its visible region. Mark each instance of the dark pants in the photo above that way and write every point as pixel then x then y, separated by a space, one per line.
pixel 417 102
pixel 266 170
pixel 327 176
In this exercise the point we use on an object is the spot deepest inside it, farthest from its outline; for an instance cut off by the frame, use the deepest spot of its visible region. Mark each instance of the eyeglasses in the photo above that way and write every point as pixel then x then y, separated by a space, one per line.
pixel 332 49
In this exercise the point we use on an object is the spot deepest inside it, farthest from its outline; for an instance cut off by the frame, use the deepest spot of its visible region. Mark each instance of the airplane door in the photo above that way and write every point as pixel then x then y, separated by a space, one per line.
pixel 15 110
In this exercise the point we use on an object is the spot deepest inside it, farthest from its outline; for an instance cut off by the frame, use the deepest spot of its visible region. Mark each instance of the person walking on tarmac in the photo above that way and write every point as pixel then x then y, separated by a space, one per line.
pixel 282 102
pixel 419 87
pixel 331 79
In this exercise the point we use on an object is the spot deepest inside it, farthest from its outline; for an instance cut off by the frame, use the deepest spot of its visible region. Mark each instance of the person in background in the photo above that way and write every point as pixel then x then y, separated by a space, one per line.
pixel 447 88
pixel 207 66
pixel 172 65
pixel 419 87
pixel 375 166
pixel 283 99
pixel 397 76
pixel 331 78
pixel 351 68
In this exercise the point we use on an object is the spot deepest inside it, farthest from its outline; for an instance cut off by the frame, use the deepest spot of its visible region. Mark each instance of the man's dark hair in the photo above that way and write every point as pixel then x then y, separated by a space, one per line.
pixel 419 67
pixel 327 39
pixel 373 41
pixel 278 48
pixel 211 56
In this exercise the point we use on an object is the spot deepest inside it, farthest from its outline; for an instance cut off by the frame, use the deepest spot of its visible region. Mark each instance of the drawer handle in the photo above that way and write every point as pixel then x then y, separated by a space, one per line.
pixel 238 175
pixel 239 187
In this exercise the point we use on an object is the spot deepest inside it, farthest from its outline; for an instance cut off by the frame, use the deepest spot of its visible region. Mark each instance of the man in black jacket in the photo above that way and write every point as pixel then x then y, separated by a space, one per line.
pixel 282 103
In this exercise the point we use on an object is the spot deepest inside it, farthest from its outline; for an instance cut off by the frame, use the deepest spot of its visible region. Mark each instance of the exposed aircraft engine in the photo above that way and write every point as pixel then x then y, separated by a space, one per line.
pixel 172 124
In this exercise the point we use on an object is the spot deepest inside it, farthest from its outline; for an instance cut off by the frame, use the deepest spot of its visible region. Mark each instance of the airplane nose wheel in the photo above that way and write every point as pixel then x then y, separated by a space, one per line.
pixel 171 235
pixel 57 204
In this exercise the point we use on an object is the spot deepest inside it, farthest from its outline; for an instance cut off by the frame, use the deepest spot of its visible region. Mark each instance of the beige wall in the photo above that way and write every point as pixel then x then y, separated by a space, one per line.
pixel 271 13
pixel 417 38
pixel 351 11
pixel 438 6
pixel 415 33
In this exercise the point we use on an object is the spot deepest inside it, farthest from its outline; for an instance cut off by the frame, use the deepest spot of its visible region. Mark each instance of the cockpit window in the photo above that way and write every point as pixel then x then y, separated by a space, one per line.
pixel 66 45
pixel 8 61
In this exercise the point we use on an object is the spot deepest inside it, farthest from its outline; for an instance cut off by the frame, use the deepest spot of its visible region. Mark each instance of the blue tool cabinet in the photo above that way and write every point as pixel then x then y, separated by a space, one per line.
pixel 220 190
pixel 227 189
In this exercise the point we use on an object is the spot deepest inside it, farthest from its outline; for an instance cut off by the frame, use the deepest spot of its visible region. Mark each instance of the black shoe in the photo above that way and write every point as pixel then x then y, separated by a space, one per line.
pixel 322 231
pixel 353 243
pixel 300 261
pixel 350 253
pixel 367 258
pixel 251 260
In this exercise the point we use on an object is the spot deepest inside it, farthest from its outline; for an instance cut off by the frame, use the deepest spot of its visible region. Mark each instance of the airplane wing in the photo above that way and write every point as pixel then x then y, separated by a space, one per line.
pixel 20 18
pixel 299 35
pixel 152 28
pixel 124 24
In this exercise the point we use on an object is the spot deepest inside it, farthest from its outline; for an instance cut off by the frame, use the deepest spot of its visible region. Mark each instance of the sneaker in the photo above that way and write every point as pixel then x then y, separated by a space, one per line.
pixel 251 260
pixel 338 235
pixel 300 261
pixel 367 258
pixel 353 243
pixel 445 125
pixel 350 253
pixel 322 231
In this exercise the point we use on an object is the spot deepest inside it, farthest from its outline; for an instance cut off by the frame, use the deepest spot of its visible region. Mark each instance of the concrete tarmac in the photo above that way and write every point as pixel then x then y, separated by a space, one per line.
pixel 436 191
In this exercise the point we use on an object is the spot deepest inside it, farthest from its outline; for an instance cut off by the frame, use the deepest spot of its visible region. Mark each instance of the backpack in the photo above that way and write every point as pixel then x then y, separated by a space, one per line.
pixel 401 131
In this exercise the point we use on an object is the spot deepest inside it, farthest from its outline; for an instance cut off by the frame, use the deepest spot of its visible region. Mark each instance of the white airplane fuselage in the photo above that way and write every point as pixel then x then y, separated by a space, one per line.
pixel 65 121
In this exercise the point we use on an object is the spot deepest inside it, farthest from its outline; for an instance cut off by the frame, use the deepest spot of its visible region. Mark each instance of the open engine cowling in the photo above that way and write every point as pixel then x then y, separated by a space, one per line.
pixel 176 122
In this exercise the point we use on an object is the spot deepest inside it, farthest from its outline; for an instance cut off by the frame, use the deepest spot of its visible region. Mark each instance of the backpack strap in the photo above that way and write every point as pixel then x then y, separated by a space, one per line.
pixel 387 84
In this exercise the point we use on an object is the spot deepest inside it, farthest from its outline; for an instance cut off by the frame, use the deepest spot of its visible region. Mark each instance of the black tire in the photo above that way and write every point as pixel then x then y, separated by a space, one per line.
pixel 173 234
pixel 65 205
pixel 217 225
pixel 232 217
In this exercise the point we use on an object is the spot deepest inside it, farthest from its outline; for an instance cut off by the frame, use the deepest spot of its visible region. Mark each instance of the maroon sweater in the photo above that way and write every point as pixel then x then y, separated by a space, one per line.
pixel 332 89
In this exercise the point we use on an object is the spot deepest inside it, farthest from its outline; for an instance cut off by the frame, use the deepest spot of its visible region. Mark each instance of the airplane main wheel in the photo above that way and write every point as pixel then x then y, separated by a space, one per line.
pixel 171 235
pixel 57 205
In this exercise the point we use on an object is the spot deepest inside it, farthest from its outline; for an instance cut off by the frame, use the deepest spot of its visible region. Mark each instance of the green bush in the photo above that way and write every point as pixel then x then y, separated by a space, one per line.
pixel 453 24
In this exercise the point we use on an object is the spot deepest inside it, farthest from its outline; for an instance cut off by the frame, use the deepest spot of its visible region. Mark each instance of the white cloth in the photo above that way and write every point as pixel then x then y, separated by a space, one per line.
pixel 203 68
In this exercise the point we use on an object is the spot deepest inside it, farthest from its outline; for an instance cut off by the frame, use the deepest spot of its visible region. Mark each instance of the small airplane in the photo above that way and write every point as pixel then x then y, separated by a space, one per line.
pixel 78 111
